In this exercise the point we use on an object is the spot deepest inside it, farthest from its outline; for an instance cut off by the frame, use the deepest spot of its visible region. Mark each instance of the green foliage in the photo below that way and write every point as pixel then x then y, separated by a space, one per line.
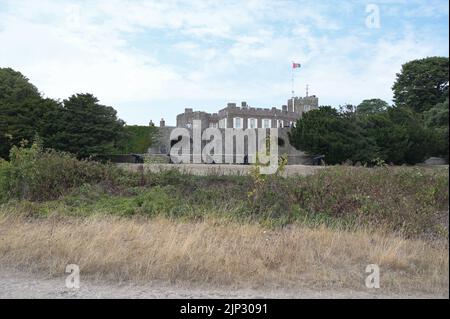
pixel 422 84
pixel 262 198
pixel 436 119
pixel 159 200
pixel 372 106
pixel 391 139
pixel 416 128
pixel 80 125
pixel 410 200
pixel 137 139
pixel 395 135
pixel 23 112
pixel 86 128
pixel 37 174
pixel 333 134
pixel 437 116
pixel 399 135
pixel 412 130
pixel 4 180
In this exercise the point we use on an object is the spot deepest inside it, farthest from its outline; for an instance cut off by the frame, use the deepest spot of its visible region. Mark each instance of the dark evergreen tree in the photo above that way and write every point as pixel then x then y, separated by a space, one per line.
pixel 436 119
pixel 336 135
pixel 22 110
pixel 86 127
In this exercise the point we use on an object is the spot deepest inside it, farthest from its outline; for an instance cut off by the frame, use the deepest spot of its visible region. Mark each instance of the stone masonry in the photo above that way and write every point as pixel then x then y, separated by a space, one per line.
pixel 243 117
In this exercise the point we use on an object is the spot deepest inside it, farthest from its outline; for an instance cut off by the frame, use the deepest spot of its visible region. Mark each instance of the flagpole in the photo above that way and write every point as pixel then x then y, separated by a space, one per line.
pixel 292 79
pixel 292 91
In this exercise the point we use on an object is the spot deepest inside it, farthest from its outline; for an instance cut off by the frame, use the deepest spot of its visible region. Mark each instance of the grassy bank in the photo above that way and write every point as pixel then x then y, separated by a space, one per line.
pixel 319 230
pixel 410 201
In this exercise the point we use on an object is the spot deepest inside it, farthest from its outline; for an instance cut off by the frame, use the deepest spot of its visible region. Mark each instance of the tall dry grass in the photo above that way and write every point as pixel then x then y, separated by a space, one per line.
pixel 218 253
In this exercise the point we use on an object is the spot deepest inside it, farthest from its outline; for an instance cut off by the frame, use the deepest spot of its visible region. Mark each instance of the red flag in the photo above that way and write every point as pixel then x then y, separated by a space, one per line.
pixel 296 65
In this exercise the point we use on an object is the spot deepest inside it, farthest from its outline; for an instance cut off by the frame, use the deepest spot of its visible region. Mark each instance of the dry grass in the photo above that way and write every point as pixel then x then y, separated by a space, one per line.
pixel 217 253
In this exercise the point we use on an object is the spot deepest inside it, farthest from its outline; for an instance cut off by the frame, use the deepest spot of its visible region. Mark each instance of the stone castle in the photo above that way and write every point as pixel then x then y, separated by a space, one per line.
pixel 242 117
pixel 233 116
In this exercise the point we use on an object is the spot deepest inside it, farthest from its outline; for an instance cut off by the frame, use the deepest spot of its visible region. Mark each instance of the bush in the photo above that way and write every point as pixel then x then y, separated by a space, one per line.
pixel 37 174
pixel 159 200
pixel 411 200
pixel 137 139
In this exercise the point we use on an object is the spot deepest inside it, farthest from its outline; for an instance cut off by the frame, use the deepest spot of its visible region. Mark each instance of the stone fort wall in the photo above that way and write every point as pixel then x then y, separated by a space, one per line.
pixel 283 119
pixel 161 148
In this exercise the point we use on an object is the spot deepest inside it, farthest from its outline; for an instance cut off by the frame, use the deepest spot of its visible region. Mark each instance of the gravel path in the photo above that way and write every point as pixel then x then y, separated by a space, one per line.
pixel 14 284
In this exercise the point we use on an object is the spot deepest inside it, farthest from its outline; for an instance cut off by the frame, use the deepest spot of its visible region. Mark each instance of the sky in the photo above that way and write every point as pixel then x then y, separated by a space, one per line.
pixel 152 59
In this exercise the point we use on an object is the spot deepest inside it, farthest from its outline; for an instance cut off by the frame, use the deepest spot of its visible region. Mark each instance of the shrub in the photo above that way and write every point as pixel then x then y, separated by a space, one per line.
pixel 37 174
pixel 159 200
pixel 411 200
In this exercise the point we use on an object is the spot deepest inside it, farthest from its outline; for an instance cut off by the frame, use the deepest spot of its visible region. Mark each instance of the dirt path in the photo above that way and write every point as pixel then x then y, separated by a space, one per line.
pixel 14 284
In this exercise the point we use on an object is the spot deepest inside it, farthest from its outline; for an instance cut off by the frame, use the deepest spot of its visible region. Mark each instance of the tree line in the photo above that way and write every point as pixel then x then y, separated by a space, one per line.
pixel 409 131
pixel 78 124
pixel 414 128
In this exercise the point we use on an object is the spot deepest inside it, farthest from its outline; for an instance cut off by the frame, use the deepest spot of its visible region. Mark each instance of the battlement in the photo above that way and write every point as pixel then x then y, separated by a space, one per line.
pixel 232 115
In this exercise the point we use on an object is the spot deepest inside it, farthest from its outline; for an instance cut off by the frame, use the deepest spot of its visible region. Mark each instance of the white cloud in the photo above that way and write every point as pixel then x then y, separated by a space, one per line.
pixel 178 53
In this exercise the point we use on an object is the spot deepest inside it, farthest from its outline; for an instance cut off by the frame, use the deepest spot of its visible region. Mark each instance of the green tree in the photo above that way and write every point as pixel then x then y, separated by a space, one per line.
pixel 23 112
pixel 410 128
pixel 396 135
pixel 333 134
pixel 422 84
pixel 137 139
pixel 436 119
pixel 86 128
pixel 399 135
pixel 371 106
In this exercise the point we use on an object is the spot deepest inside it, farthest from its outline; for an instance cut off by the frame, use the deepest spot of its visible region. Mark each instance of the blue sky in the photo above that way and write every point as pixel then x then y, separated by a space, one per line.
pixel 151 59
